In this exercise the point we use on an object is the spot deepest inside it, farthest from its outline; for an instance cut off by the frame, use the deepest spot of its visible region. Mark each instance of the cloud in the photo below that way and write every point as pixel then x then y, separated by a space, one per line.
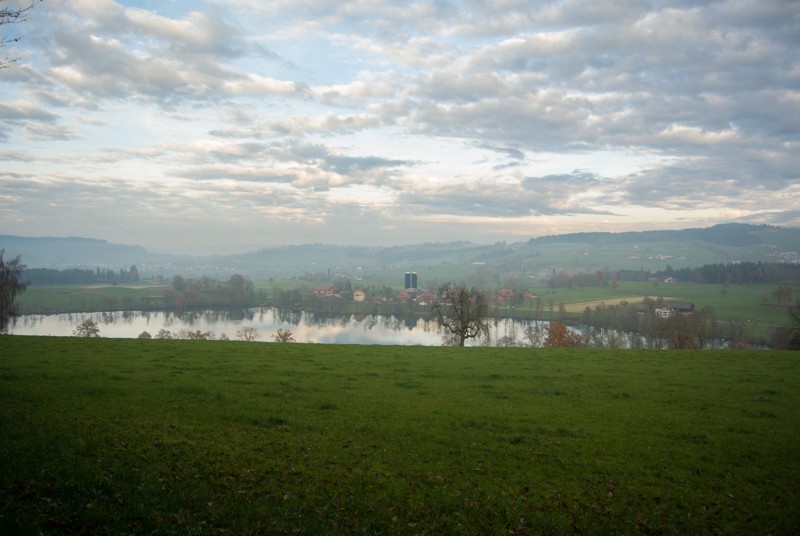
pixel 506 116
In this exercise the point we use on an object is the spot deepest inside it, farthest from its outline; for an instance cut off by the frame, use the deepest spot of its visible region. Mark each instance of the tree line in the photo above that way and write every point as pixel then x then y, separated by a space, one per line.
pixel 77 276
pixel 732 273
pixel 738 273
pixel 188 293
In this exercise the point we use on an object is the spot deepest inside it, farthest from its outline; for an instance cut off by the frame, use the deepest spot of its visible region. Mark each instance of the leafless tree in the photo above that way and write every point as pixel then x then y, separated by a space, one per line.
pixel 165 334
pixel 10 15
pixel 462 314
pixel 198 335
pixel 248 334
pixel 11 284
pixel 87 328
pixel 283 335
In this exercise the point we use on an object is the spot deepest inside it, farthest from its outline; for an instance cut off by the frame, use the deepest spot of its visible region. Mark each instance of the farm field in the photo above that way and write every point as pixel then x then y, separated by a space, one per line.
pixel 741 303
pixel 205 437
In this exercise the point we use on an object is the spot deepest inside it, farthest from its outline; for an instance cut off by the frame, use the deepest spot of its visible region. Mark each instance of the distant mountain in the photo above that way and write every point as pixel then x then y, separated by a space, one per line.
pixel 728 234
pixel 71 251
pixel 576 252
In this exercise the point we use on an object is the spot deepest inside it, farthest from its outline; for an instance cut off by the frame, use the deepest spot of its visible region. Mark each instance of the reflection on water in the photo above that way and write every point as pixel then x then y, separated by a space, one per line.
pixel 305 326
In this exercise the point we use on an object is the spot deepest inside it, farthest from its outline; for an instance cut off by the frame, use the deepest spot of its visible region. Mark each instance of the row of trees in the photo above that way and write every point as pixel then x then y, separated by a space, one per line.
pixel 77 276
pixel 189 293
pixel 740 273
pixel 90 328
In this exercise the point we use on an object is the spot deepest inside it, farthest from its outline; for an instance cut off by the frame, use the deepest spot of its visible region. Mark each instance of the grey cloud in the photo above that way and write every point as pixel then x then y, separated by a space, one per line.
pixel 510 152
pixel 118 53
pixel 549 195
pixel 345 165
pixel 620 86
pixel 217 173
pixel 577 179
pixel 25 112
pixel 298 127
pixel 780 217
pixel 351 169
pixel 304 165
pixel 42 132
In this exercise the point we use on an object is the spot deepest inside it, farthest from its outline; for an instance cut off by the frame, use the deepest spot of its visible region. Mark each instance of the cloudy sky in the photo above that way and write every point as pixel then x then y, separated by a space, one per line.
pixel 189 126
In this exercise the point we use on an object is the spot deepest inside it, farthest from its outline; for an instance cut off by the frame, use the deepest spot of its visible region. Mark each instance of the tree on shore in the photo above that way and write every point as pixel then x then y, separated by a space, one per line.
pixel 283 335
pixel 248 334
pixel 559 336
pixel 11 284
pixel 462 314
pixel 87 328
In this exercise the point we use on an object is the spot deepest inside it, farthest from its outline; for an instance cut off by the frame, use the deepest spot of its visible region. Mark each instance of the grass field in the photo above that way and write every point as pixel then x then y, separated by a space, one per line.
pixel 201 437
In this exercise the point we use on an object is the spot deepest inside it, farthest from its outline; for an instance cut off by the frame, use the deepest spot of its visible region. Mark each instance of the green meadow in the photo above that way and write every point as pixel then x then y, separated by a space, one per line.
pixel 105 436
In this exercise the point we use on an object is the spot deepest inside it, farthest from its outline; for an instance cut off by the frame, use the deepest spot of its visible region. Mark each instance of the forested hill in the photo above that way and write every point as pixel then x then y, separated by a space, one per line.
pixel 729 234
pixel 71 251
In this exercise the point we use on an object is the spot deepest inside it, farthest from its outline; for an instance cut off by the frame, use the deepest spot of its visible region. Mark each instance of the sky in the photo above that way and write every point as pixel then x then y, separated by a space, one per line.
pixel 233 125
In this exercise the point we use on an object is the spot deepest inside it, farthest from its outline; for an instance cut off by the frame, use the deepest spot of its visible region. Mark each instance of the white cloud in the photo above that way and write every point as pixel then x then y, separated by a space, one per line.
pixel 506 116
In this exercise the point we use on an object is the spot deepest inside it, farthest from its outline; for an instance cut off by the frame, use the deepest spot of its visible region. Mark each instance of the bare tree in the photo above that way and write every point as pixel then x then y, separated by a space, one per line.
pixel 462 314
pixel 199 335
pixel 283 335
pixel 248 334
pixel 10 15
pixel 165 334
pixel 87 328
pixel 11 284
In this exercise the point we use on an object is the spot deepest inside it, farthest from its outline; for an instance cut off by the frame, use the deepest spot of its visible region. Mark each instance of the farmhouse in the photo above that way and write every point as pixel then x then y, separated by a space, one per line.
pixel 671 309
pixel 321 290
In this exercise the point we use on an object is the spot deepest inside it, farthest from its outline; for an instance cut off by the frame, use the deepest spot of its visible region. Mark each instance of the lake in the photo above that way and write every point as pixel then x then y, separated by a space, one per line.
pixel 305 326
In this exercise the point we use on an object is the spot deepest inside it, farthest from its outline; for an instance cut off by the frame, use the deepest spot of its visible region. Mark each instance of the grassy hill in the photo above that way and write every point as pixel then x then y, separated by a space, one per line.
pixel 188 437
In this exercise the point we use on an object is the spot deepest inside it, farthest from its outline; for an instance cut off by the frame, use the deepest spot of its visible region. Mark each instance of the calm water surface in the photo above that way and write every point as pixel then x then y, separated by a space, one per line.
pixel 305 327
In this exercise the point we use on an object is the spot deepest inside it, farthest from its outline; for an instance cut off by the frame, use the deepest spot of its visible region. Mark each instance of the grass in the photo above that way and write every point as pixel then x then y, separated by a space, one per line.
pixel 742 304
pixel 200 437
pixel 88 298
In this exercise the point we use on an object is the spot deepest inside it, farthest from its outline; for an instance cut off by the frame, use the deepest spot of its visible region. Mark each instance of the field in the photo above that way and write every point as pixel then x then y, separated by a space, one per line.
pixel 201 437
pixel 737 303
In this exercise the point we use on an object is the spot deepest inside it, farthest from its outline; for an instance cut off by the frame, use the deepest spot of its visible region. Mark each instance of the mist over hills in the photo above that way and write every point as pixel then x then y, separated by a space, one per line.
pixel 575 252
pixel 53 252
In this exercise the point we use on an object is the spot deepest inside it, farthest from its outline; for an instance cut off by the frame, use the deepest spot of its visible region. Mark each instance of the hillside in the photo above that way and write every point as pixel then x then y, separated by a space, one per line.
pixel 70 251
pixel 105 436
pixel 578 252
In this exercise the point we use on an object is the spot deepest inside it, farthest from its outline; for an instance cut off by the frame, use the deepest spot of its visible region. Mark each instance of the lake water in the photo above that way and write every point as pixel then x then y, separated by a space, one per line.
pixel 305 327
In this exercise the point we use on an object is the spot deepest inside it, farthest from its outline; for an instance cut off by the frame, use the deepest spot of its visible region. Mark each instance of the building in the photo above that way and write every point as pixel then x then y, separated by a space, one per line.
pixel 321 290
pixel 411 280
pixel 671 309
pixel 359 296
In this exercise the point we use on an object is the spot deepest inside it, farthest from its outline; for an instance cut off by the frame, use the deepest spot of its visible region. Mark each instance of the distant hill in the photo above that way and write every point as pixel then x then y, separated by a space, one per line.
pixel 455 261
pixel 71 251
pixel 728 234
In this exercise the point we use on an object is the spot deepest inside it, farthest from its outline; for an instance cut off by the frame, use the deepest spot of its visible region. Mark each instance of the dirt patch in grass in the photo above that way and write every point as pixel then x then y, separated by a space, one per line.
pixel 578 307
